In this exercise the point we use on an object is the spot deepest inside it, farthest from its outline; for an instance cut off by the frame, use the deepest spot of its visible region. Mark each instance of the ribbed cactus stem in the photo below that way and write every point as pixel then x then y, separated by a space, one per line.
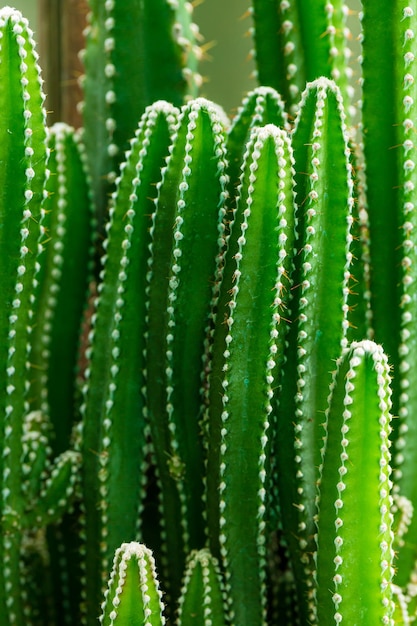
pixel 260 107
pixel 23 155
pixel 248 345
pixel 406 444
pixel 355 558
pixel 133 596
pixel 136 53
pixel 114 428
pixel 319 310
pixel 202 600
pixel 65 270
pixel 298 41
pixel 187 239
pixel 380 22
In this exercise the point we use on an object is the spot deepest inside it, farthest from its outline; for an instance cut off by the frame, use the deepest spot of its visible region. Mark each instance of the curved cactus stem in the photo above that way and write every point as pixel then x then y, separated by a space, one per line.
pixel 63 280
pixel 133 597
pixel 23 155
pixel 136 53
pixel 354 545
pixel 58 490
pixel 187 237
pixel 297 41
pixel 247 352
pixel 114 427
pixel 319 313
pixel 202 601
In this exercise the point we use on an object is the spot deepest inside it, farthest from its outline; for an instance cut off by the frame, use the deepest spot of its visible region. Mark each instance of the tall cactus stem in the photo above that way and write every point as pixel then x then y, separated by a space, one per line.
pixel 254 291
pixel 136 53
pixel 23 155
pixel 187 238
pixel 406 443
pixel 319 311
pixel 355 556
pixel 299 41
pixel 114 428
pixel 63 279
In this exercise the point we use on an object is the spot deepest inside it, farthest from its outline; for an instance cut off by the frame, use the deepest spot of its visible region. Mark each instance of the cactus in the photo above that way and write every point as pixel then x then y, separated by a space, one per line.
pixel 133 596
pixel 113 426
pixel 162 42
pixel 323 240
pixel 355 556
pixel 201 323
pixel 202 598
pixel 241 386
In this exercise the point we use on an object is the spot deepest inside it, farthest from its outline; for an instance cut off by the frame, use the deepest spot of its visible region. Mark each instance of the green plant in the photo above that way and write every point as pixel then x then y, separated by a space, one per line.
pixel 198 316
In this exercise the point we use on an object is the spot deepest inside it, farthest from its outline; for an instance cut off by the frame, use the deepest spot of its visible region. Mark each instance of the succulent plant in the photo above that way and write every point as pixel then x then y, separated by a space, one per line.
pixel 207 326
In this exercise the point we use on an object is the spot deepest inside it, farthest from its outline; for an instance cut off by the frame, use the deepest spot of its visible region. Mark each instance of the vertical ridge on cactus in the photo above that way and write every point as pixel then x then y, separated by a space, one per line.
pixel 354 546
pixel 406 444
pixel 187 239
pixel 319 310
pixel 23 155
pixel 114 428
pixel 119 85
pixel 254 293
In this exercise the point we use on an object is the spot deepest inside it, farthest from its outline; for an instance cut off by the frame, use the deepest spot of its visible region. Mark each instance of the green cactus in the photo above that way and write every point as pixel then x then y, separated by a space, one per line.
pixel 187 239
pixel 113 426
pixel 202 599
pixel 319 309
pixel 133 597
pixel 254 293
pixel 355 558
pixel 196 370
pixel 161 64
pixel 297 41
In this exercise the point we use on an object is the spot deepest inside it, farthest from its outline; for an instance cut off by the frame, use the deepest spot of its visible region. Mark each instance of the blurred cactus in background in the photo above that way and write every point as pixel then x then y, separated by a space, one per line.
pixel 208 325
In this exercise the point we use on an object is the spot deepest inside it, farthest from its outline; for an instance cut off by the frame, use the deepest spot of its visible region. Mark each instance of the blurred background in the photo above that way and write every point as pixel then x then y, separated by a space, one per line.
pixel 224 25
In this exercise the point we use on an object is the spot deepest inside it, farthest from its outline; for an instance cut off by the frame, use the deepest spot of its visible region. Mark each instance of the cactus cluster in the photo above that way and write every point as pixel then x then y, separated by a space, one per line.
pixel 208 326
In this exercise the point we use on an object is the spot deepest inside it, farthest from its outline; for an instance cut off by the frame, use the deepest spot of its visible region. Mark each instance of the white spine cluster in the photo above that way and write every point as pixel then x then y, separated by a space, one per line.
pixel 408 178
